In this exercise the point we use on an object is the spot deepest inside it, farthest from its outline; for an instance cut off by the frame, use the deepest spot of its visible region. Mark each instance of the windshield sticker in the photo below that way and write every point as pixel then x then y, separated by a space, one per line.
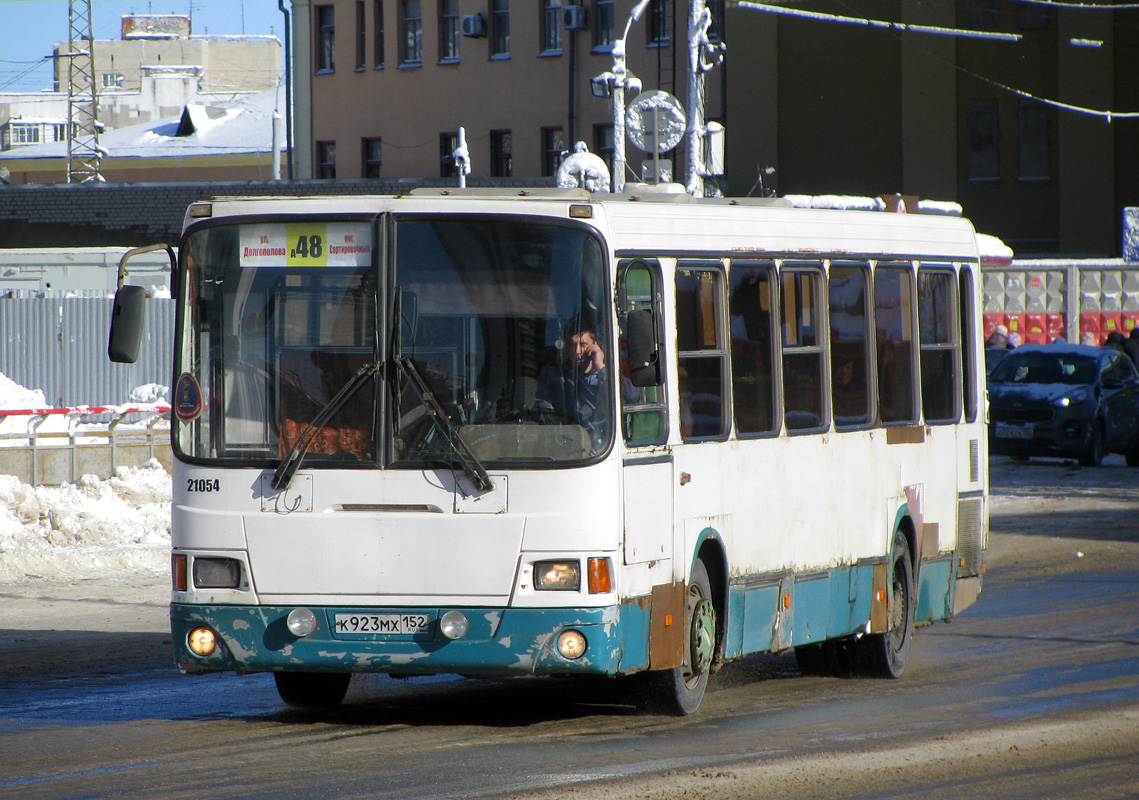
pixel 306 244
pixel 187 398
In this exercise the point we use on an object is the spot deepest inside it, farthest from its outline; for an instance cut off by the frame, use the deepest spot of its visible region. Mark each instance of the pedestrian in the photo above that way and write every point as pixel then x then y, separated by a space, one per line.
pixel 1013 340
pixel 999 339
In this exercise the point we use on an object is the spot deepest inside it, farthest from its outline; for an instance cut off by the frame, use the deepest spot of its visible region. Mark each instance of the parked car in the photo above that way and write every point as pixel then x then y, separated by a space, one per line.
pixel 1070 401
pixel 993 357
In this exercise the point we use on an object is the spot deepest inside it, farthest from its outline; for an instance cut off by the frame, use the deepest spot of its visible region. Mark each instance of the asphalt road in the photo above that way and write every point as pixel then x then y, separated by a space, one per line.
pixel 1033 692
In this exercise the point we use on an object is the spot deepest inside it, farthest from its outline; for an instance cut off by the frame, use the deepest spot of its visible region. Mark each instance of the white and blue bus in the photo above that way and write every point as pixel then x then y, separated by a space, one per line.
pixel 559 433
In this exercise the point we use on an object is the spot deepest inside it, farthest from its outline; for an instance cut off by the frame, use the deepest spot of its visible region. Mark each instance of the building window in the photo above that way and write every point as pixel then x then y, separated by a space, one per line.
pixel 378 35
pixel 603 15
pixel 603 144
pixel 24 134
pixel 984 140
pixel 373 157
pixel 326 158
pixel 501 155
pixel 113 80
pixel 1032 142
pixel 551 26
pixel 325 38
pixel 361 37
pixel 412 32
pixel 500 27
pixel 660 23
pixel 554 143
pixel 448 30
pixel 448 143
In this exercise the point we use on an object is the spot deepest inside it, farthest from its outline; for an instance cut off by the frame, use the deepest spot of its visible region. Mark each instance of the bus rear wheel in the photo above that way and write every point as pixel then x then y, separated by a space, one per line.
pixel 884 655
pixel 680 690
pixel 312 689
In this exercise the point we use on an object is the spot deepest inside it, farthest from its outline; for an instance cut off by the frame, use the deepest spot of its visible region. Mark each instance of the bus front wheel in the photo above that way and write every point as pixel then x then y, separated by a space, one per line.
pixel 312 689
pixel 884 654
pixel 680 690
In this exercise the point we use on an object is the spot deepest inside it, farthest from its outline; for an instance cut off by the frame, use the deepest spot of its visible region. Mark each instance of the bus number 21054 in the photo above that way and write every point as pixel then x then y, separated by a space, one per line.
pixel 203 485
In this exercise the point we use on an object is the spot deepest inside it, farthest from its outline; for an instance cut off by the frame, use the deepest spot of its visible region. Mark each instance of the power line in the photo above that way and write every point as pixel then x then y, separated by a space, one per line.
pixel 877 23
pixel 901 27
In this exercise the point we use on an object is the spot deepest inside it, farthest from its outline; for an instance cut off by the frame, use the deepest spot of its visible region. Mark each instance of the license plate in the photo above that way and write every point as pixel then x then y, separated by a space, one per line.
pixel 1013 432
pixel 383 623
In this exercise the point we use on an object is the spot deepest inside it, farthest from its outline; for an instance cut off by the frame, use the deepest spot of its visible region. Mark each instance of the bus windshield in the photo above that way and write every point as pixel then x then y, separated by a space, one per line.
pixel 502 321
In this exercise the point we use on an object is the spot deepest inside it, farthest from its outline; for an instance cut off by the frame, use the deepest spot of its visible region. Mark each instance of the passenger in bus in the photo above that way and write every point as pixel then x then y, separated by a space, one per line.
pixel 850 398
pixel 575 388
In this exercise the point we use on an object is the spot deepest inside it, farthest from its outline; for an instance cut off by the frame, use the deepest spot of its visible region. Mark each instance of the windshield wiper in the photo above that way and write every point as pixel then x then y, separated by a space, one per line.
pixel 283 475
pixel 470 463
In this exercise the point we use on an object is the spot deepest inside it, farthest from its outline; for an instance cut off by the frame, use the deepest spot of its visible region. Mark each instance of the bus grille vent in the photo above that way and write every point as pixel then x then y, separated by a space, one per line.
pixel 974 460
pixel 970 544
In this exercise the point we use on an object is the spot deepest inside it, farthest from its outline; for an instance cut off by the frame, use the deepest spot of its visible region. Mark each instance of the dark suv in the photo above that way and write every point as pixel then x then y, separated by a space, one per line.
pixel 1069 401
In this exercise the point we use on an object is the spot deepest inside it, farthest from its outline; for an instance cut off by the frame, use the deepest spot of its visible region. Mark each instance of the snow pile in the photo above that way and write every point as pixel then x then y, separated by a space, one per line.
pixel 15 396
pixel 149 394
pixel 94 529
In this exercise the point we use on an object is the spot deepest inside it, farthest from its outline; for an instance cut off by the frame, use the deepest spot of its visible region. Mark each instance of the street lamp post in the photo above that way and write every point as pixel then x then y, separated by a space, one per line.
pixel 614 84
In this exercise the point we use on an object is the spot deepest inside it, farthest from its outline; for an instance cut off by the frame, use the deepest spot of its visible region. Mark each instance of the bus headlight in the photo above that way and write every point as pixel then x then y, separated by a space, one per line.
pixel 557 576
pixel 202 642
pixel 217 573
pixel 454 625
pixel 571 644
pixel 301 622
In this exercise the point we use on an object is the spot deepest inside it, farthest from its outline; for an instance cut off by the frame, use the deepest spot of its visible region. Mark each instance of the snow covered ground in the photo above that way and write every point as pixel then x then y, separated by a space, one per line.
pixel 114 528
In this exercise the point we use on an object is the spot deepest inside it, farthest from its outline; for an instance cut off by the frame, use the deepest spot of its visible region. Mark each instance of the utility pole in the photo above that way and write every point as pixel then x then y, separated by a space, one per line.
pixel 84 155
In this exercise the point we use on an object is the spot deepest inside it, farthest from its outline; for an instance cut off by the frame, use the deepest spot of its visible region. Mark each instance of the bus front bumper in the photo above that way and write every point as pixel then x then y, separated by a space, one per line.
pixel 499 641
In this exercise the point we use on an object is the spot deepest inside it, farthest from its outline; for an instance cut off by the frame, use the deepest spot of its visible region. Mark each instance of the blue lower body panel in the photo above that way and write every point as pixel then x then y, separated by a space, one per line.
pixel 500 641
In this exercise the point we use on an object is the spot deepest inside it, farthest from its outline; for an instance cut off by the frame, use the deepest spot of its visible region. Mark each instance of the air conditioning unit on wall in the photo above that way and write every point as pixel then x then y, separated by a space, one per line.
pixel 574 18
pixel 474 26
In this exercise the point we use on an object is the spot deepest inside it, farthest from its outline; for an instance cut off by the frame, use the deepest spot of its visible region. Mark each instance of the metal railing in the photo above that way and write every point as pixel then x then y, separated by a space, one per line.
pixel 55 446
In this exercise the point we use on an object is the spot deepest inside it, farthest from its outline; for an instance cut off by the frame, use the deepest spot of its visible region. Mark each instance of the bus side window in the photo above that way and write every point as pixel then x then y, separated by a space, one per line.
pixel 751 307
pixel 937 307
pixel 894 333
pixel 701 354
pixel 800 293
pixel 968 321
pixel 644 415
pixel 849 308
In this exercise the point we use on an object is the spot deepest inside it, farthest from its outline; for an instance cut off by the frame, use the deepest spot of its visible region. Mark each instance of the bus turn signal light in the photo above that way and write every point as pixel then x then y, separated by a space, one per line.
pixel 178 571
pixel 600 581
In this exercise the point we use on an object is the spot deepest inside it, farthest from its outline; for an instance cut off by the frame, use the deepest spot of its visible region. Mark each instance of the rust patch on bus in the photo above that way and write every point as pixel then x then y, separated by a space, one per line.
pixel 906 434
pixel 666 626
pixel 930 540
pixel 880 599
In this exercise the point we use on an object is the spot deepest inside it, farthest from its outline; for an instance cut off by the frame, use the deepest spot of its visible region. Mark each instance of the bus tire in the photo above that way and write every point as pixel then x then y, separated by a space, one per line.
pixel 883 655
pixel 312 689
pixel 680 690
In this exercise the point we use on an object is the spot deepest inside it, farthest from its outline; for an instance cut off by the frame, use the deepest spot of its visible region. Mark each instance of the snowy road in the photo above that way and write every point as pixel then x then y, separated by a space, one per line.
pixel 1032 692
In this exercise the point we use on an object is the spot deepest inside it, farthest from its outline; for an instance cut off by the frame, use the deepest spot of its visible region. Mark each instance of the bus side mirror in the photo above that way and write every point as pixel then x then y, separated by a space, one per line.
pixel 128 317
pixel 644 357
